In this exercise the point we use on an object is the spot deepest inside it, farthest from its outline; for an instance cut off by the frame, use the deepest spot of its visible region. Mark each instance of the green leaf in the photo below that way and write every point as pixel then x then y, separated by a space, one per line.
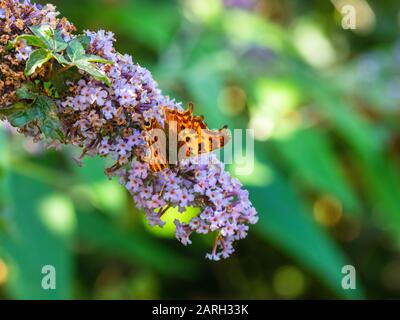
pixel 75 50
pixel 32 40
pixel 36 60
pixel 50 127
pixel 59 79
pixel 44 104
pixel 20 118
pixel 42 110
pixel 45 112
pixel 84 40
pixel 77 55
pixel 20 114
pixel 27 91
pixel 52 38
pixel 93 71
pixel 61 59
pixel 94 58
pixel 18 106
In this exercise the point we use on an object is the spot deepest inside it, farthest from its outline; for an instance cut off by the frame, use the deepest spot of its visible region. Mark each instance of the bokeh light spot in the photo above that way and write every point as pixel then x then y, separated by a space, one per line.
pixel 58 214
pixel 263 127
pixel 204 10
pixel 232 100
pixel 327 211
pixel 313 45
pixel 289 282
pixel 168 230
pixel 3 272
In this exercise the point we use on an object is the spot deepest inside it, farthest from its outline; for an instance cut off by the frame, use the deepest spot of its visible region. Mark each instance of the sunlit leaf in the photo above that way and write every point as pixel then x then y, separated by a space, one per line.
pixel 75 50
pixel 52 38
pixel 32 40
pixel 93 71
pixel 36 59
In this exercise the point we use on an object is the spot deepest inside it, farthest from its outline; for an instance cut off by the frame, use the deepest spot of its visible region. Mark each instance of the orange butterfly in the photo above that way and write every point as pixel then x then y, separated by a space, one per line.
pixel 183 136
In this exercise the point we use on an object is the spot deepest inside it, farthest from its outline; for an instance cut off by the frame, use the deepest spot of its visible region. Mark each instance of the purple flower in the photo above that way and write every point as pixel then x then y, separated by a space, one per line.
pixel 108 122
pixel 100 97
pixel 122 147
pixel 213 256
pixel 108 110
pixel 2 14
pixel 23 52
pixel 182 232
pixel 126 96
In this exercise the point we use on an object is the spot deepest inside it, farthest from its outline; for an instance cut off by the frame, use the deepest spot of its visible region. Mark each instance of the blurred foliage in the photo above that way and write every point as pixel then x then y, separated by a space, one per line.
pixel 324 106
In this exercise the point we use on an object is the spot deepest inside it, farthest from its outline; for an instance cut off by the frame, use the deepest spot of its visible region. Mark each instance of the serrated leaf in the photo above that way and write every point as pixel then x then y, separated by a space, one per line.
pixel 36 60
pixel 43 32
pixel 32 40
pixel 93 71
pixel 75 50
pixel 84 40
pixel 52 38
pixel 60 59
pixel 42 110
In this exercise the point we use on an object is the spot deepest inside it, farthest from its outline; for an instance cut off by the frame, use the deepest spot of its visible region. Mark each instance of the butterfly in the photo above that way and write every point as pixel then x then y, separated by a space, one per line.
pixel 183 136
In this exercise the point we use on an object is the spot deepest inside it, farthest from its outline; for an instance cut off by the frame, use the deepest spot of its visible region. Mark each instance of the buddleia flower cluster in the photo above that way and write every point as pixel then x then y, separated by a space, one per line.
pixel 78 90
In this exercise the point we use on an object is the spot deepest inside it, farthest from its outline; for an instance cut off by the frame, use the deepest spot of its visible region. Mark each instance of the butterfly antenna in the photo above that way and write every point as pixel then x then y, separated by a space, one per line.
pixel 191 107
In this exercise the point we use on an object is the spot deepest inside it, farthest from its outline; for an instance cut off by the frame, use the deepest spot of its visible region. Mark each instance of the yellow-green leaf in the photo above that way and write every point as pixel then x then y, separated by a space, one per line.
pixel 36 60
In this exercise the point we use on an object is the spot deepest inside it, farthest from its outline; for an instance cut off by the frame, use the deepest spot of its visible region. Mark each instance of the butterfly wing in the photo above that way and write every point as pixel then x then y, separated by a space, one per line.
pixel 157 156
pixel 184 134
pixel 194 137
pixel 213 139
